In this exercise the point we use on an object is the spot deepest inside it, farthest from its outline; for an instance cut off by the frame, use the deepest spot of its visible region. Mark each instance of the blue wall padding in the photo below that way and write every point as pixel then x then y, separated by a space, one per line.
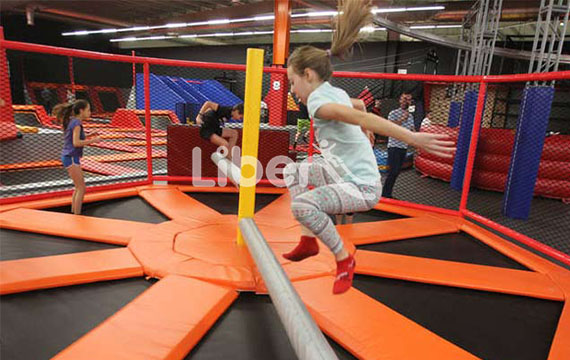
pixel 454 114
pixel 162 97
pixel 194 91
pixel 463 139
pixel 525 158
pixel 218 93
pixel 175 85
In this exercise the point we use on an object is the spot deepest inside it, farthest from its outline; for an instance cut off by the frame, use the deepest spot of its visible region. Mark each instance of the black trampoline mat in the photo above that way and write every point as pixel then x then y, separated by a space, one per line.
pixel 157 164
pixel 17 177
pixel 20 245
pixel 375 215
pixel 32 147
pixel 40 147
pixel 250 329
pixel 132 209
pixel 26 119
pixel 159 122
pixel 491 326
pixel 459 247
pixel 227 203
pixel 40 324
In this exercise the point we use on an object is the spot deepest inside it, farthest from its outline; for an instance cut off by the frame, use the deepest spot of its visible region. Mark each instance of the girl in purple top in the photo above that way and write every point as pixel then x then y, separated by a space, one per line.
pixel 74 141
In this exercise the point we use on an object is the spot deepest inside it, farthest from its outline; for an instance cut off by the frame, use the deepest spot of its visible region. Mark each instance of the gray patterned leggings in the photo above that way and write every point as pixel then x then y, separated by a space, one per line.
pixel 331 195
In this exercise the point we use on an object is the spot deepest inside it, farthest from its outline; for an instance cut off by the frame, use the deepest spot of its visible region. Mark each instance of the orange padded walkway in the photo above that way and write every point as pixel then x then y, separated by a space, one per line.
pixel 369 329
pixel 450 273
pixel 389 230
pixel 175 204
pixel 70 269
pixel 109 231
pixel 164 323
pixel 278 213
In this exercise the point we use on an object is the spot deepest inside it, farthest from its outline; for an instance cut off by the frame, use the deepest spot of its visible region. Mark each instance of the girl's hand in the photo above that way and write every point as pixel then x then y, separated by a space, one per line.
pixel 199 119
pixel 93 133
pixel 96 139
pixel 433 143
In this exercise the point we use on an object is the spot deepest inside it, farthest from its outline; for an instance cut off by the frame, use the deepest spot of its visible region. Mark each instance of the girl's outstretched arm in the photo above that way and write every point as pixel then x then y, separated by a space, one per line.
pixel 432 143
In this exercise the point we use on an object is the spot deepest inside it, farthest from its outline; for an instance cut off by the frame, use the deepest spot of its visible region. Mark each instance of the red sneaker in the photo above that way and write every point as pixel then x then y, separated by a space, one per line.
pixel 307 247
pixel 344 275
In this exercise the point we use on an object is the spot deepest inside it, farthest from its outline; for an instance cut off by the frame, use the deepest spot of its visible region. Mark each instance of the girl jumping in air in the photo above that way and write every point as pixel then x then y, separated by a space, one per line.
pixel 346 178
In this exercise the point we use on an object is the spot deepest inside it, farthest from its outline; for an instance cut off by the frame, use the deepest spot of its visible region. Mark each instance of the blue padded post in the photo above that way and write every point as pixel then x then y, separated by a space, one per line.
pixel 525 158
pixel 454 114
pixel 463 139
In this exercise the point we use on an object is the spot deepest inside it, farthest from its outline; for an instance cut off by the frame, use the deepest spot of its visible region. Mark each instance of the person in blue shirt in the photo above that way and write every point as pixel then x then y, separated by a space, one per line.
pixel 346 178
pixel 71 116
pixel 211 119
pixel 397 149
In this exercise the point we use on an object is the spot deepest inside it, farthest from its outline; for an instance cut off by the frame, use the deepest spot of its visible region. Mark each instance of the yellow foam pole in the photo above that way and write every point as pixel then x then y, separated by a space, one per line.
pixel 250 136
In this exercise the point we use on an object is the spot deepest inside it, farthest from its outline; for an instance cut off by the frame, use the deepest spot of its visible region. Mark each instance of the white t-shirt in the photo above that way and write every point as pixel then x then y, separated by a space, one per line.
pixel 342 145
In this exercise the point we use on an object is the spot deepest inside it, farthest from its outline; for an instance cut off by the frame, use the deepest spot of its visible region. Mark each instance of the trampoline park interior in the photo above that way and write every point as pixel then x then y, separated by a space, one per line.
pixel 171 260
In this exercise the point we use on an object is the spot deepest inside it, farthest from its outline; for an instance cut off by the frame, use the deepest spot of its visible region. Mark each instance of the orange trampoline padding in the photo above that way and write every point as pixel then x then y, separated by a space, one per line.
pixel 66 200
pixel 125 156
pixel 106 168
pixel 175 204
pixel 141 142
pixel 389 230
pixel 112 136
pixel 165 322
pixel 517 253
pixel 114 146
pixel 450 273
pixel 278 213
pixel 30 165
pixel 110 231
pixel 369 329
pixel 70 269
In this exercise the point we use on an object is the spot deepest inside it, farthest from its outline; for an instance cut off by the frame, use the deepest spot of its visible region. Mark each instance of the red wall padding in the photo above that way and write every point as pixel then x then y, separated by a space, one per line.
pixel 8 130
pixel 182 139
pixel 493 159
pixel 126 118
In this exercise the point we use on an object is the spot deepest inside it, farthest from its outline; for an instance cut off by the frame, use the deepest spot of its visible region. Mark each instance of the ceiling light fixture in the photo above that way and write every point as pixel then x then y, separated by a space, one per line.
pixel 252 19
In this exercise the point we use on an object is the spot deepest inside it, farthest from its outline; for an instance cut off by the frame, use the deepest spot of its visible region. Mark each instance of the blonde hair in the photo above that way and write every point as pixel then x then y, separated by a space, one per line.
pixel 353 15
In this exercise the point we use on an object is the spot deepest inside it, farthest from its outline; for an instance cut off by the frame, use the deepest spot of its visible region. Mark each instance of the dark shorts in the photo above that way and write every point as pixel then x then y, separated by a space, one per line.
pixel 69 160
pixel 210 126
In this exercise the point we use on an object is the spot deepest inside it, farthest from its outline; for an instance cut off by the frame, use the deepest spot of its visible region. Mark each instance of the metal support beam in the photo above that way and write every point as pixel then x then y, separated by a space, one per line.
pixel 439 40
pixel 307 340
pixel 549 36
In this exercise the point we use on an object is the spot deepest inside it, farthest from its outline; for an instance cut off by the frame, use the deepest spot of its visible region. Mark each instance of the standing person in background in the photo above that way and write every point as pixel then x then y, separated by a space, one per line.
pixel 303 125
pixel 397 149
pixel 46 97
